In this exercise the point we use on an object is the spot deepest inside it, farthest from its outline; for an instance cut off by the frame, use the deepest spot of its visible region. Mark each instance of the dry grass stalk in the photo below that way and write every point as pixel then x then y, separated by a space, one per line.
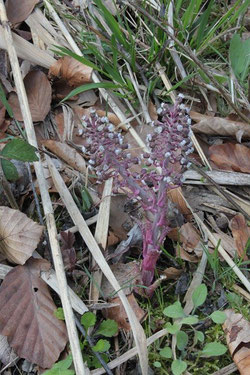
pixel 138 332
pixel 47 205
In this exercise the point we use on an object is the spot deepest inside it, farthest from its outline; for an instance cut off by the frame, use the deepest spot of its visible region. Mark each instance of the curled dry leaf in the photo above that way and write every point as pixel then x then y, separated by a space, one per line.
pixel 177 198
pixel 73 72
pixel 67 153
pixel 231 157
pixel 18 11
pixel 190 239
pixel 38 91
pixel 219 126
pixel 237 330
pixel 19 235
pixel 27 315
pixel 241 234
pixel 118 313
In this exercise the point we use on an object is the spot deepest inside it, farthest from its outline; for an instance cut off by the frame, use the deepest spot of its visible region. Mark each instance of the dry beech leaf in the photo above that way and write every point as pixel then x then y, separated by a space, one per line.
pixel 176 197
pixel 237 330
pixel 183 254
pixel 38 91
pixel 7 354
pixel 219 126
pixel 67 153
pixel 126 275
pixel 72 71
pixel 27 315
pixel 190 238
pixel 18 11
pixel 241 234
pixel 118 313
pixel 231 157
pixel 172 273
pixel 19 235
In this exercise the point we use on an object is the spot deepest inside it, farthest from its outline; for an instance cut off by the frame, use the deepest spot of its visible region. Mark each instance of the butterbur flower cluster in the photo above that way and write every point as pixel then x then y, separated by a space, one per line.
pixel 161 168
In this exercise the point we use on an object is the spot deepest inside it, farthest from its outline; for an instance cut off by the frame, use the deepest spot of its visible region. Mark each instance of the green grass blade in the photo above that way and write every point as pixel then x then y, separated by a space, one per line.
pixel 90 86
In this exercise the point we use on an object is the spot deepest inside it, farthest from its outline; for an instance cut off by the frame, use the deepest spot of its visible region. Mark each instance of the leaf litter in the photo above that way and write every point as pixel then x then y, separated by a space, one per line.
pixel 38 335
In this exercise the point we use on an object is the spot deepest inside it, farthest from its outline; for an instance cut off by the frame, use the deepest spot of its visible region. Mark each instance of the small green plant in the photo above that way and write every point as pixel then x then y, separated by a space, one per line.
pixel 107 328
pixel 16 149
pixel 190 342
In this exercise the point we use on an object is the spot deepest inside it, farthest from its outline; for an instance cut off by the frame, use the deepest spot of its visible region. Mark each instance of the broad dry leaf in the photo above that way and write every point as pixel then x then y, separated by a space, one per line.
pixel 39 93
pixel 183 254
pixel 237 330
pixel 176 197
pixel 127 276
pixel 18 11
pixel 7 354
pixel 19 235
pixel 241 234
pixel 27 315
pixel 73 72
pixel 172 273
pixel 189 237
pixel 231 157
pixel 219 126
pixel 118 313
pixel 67 153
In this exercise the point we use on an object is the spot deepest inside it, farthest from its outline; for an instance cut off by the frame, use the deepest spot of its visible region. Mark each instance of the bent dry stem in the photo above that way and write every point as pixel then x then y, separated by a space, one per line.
pixel 160 169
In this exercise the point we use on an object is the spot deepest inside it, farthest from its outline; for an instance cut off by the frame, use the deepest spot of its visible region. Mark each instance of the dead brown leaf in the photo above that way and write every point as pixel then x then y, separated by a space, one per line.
pixel 231 157
pixel 68 250
pixel 237 330
pixel 19 235
pixel 241 234
pixel 72 71
pixel 172 273
pixel 190 239
pixel 118 313
pixel 126 275
pixel 177 198
pixel 18 11
pixel 38 91
pixel 183 254
pixel 27 315
pixel 67 153
pixel 219 126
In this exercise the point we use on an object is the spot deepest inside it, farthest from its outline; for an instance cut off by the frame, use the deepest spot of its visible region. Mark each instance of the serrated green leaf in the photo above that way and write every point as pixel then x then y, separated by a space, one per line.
pixel 166 352
pixel 88 319
pixel 182 340
pixel 174 311
pixel 108 328
pixel 172 328
pixel 218 317
pixel 61 367
pixel 59 313
pixel 101 346
pixel 199 295
pixel 190 320
pixel 178 367
pixel 9 170
pixel 19 150
pixel 213 349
